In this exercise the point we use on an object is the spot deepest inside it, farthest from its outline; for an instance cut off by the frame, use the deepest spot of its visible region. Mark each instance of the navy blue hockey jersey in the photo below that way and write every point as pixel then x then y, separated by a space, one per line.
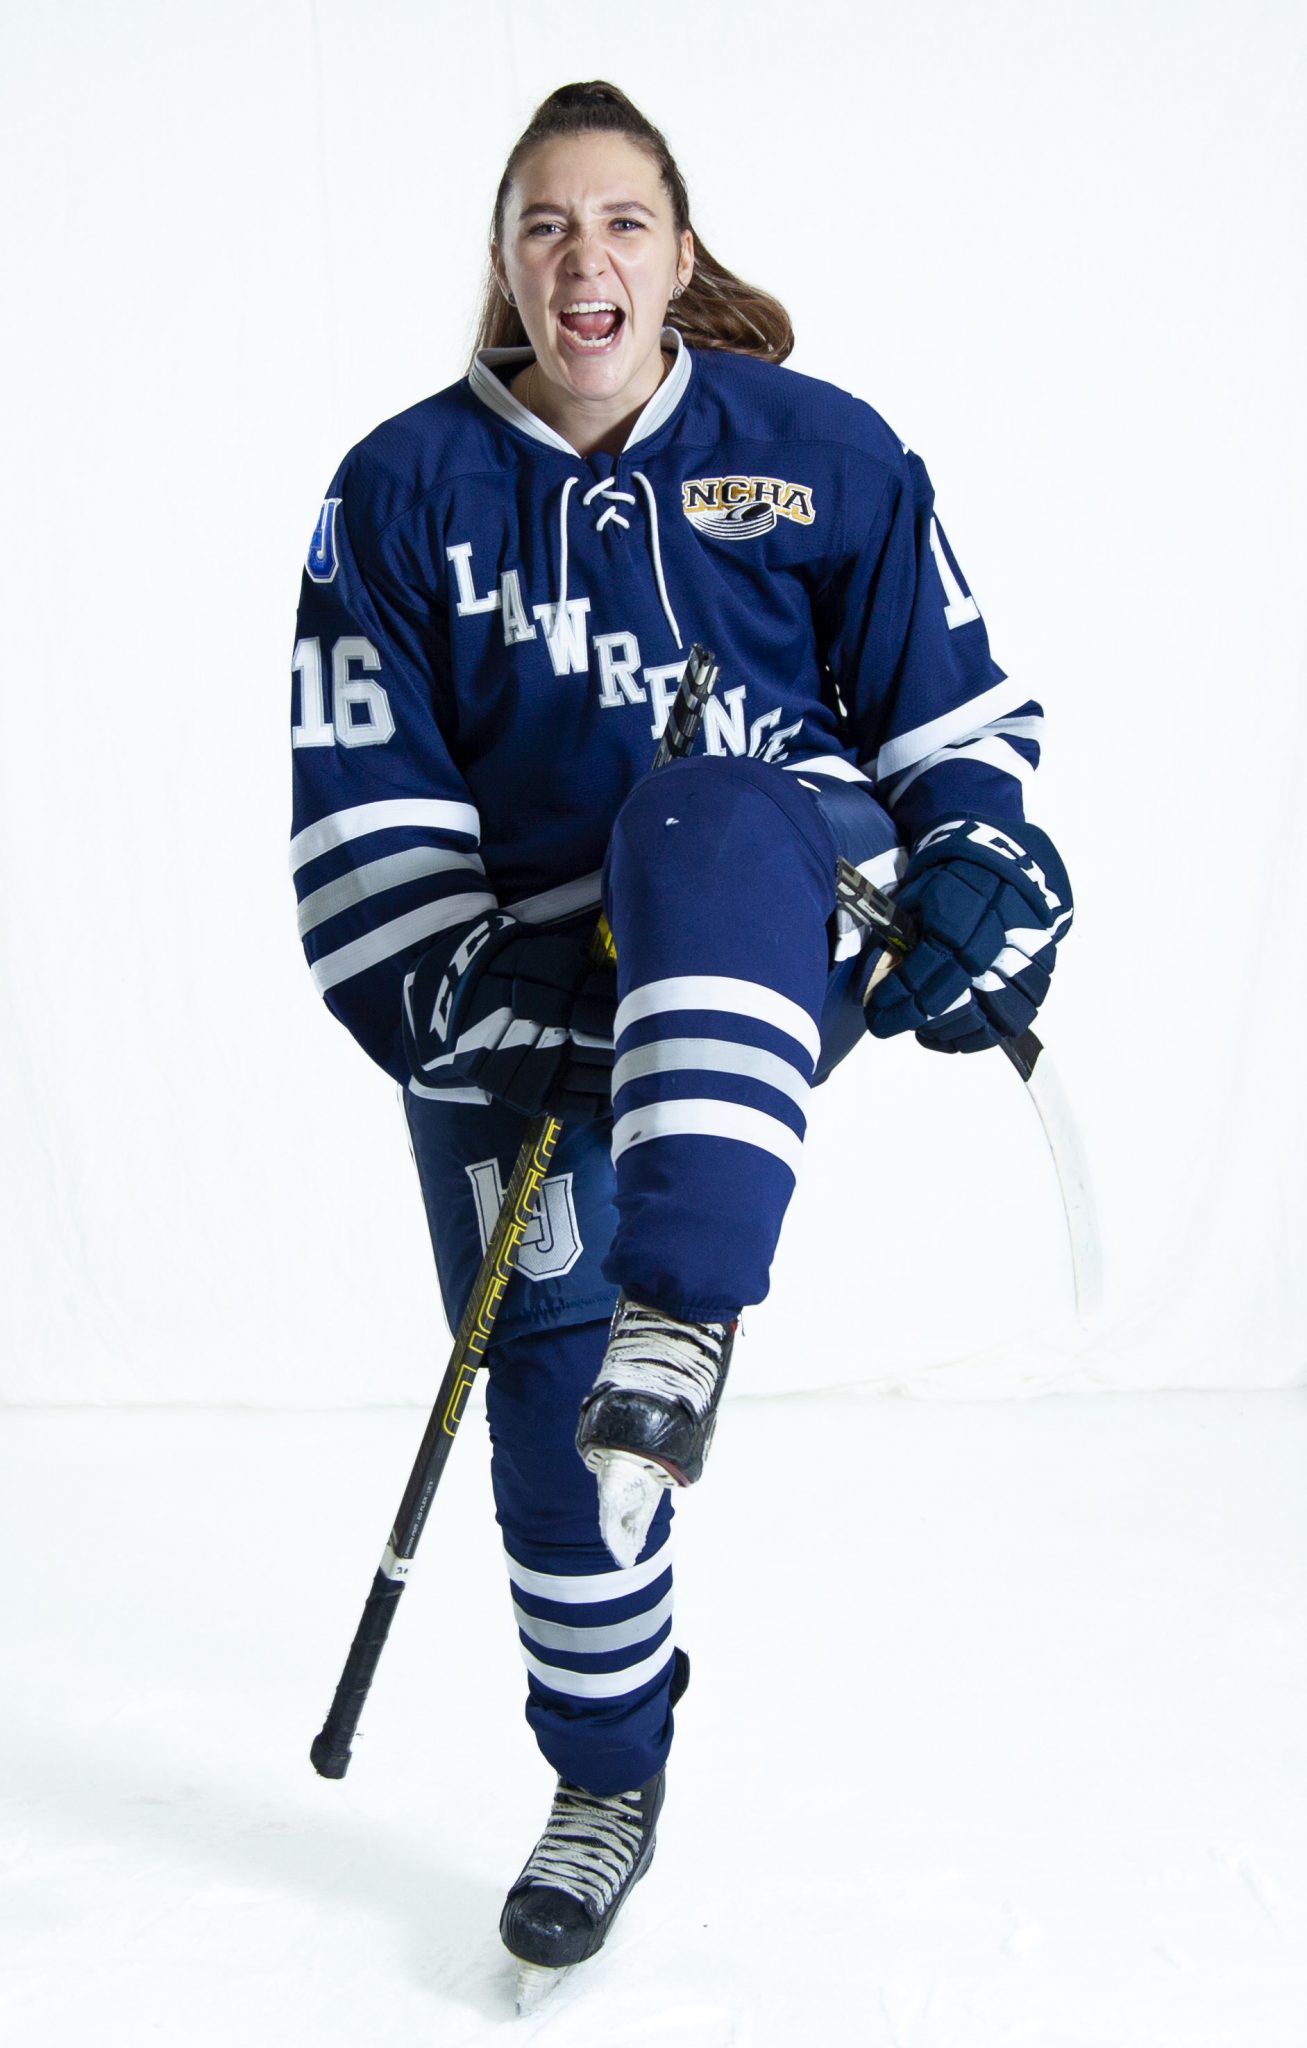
pixel 491 628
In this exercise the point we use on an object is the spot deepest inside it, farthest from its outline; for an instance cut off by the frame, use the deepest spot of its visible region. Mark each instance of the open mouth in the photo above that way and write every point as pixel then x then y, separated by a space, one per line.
pixel 592 324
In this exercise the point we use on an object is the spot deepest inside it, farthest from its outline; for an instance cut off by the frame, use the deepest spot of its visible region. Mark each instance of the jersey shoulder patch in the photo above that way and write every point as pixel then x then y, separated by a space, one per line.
pixel 322 560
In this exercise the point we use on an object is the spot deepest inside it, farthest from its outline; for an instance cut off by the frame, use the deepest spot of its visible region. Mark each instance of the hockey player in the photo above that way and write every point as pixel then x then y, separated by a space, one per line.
pixel 498 600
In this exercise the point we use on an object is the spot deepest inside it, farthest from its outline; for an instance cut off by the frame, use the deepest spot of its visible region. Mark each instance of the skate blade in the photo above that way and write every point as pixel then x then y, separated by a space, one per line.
pixel 535 1981
pixel 630 1488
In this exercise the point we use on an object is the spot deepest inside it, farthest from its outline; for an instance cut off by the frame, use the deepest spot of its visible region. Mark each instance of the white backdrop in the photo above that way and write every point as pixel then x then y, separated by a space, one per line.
pixel 1060 249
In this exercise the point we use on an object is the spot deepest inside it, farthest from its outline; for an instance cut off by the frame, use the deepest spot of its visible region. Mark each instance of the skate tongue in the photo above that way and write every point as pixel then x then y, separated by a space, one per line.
pixel 630 1489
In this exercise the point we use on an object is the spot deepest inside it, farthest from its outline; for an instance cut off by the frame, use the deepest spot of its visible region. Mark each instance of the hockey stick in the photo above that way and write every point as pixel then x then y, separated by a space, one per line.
pixel 330 1751
pixel 897 932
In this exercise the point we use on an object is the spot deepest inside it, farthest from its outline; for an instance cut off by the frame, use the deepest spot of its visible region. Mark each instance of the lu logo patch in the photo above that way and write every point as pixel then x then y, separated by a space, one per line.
pixel 322 562
pixel 744 507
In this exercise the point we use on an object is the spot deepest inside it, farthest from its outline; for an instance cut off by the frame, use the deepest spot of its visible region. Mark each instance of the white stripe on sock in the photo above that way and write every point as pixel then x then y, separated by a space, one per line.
pixel 583 1642
pixel 599 1685
pixel 705 1117
pixel 587 1589
pixel 714 1056
pixel 752 999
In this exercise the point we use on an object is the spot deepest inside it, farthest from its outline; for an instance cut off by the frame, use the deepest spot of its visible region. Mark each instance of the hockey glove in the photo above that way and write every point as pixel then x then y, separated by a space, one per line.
pixel 518 1010
pixel 990 902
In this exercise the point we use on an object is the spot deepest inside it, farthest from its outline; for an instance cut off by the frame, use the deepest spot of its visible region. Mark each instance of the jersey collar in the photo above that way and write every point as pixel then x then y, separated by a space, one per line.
pixel 496 395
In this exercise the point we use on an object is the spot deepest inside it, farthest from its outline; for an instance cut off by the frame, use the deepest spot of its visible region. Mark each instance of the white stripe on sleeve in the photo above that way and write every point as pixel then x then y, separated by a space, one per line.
pixel 395 937
pixel 357 884
pixel 428 812
pixel 960 723
pixel 476 1096
pixel 1030 728
pixel 833 766
pixel 995 752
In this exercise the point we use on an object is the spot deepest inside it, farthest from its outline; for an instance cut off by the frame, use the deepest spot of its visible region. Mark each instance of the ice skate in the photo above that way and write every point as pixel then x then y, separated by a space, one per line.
pixel 648 1420
pixel 563 1905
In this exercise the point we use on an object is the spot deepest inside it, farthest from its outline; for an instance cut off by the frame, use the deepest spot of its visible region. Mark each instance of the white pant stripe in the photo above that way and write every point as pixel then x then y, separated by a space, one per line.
pixel 706 1117
pixel 752 999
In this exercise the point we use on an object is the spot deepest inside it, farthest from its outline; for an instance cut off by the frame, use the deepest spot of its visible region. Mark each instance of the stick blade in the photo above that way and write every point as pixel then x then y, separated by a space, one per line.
pixel 1046 1092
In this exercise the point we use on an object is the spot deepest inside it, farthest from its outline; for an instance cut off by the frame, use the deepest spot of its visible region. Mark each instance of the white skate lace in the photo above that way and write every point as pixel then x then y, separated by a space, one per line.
pixel 651 1353
pixel 589 1847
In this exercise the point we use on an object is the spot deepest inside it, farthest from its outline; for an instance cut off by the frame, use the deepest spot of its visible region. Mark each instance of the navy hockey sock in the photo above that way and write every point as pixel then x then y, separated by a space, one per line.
pixel 719 882
pixel 597 1642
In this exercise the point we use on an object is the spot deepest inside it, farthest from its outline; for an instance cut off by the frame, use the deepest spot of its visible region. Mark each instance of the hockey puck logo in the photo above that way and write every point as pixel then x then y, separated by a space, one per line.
pixel 744 507
pixel 739 522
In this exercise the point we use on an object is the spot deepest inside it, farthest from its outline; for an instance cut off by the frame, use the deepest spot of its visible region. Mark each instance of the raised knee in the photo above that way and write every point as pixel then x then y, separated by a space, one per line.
pixel 714 803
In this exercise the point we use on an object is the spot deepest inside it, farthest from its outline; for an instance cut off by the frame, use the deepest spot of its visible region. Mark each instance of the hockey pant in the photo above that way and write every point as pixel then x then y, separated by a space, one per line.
pixel 719 887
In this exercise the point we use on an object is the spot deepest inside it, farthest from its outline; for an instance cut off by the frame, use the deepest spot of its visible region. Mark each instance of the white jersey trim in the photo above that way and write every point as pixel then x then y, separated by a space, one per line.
pixel 429 812
pixel 496 396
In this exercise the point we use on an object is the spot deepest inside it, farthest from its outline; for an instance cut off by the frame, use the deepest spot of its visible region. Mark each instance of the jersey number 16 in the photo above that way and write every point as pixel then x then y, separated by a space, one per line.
pixel 361 714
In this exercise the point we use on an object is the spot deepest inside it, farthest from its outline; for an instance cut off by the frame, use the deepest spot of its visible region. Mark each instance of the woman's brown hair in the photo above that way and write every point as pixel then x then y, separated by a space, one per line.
pixel 716 310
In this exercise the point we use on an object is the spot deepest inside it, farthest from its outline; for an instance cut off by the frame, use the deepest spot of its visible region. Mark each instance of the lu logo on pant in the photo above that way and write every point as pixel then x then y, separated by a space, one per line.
pixel 552 1243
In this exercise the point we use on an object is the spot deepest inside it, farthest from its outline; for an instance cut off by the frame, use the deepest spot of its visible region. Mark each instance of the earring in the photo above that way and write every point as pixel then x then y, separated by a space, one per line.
pixel 679 289
pixel 508 295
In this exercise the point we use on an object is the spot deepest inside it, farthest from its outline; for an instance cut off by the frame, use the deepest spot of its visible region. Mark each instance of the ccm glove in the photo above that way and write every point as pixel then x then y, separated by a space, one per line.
pixel 990 902
pixel 518 1010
